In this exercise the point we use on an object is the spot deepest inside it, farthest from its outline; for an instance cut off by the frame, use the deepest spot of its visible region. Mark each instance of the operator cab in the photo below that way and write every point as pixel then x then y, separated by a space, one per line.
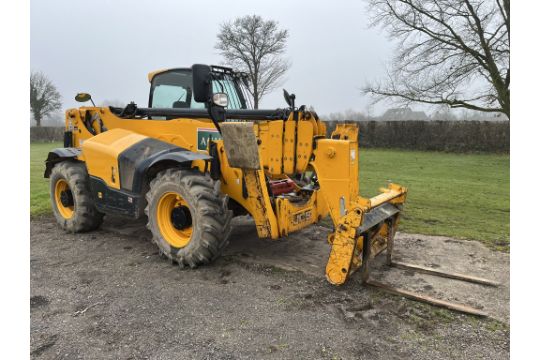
pixel 173 88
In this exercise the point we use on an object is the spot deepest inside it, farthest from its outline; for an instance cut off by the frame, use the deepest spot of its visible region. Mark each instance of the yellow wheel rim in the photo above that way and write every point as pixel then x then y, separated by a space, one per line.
pixel 174 219
pixel 62 193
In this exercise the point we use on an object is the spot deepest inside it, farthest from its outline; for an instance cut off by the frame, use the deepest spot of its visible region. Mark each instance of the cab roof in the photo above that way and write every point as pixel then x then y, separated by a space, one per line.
pixel 154 73
pixel 215 68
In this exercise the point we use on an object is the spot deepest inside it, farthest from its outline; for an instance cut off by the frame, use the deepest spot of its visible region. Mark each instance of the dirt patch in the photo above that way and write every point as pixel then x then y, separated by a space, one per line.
pixel 307 252
pixel 108 294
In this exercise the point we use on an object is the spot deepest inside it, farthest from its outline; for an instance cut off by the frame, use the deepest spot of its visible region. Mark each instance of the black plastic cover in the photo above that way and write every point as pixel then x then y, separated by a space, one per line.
pixel 138 158
pixel 57 155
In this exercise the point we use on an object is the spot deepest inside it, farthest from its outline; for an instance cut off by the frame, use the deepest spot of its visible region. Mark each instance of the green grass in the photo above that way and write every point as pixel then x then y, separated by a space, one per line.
pixel 39 186
pixel 459 195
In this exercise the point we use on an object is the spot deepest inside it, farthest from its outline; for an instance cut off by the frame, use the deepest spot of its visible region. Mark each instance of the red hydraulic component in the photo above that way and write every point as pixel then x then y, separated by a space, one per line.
pixel 282 186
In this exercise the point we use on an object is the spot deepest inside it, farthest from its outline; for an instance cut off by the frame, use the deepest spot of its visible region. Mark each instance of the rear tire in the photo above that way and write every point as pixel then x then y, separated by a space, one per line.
pixel 188 216
pixel 71 198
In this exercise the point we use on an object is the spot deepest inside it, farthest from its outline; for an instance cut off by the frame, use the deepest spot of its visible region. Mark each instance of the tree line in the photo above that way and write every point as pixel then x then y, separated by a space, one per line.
pixel 454 53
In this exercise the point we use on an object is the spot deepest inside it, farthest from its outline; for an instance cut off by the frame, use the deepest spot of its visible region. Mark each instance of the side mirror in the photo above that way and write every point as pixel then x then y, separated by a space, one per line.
pixel 84 97
pixel 202 84
pixel 202 93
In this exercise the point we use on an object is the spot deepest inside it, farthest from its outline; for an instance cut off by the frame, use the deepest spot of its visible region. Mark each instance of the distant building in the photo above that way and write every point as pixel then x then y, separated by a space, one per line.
pixel 403 114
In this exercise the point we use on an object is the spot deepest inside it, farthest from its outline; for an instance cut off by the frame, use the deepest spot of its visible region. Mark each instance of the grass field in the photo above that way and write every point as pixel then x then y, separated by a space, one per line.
pixel 39 186
pixel 459 195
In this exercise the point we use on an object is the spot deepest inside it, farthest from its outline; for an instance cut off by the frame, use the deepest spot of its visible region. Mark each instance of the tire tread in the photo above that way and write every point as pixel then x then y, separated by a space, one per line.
pixel 210 208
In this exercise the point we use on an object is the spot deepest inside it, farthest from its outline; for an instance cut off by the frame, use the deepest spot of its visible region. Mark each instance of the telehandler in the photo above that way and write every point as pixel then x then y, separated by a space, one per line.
pixel 198 155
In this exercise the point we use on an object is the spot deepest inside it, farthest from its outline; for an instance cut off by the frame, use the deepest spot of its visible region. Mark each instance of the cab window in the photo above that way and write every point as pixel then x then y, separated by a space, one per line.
pixel 173 89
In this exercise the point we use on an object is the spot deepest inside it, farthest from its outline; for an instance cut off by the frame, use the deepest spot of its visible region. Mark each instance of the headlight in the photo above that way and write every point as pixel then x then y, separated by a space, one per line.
pixel 220 99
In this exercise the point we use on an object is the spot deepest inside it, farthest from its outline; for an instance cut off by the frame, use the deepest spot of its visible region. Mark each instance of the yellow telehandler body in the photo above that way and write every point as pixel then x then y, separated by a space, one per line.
pixel 198 155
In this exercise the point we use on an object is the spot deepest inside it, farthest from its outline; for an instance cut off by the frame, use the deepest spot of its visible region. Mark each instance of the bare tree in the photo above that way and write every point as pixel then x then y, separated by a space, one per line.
pixel 254 45
pixel 451 52
pixel 44 98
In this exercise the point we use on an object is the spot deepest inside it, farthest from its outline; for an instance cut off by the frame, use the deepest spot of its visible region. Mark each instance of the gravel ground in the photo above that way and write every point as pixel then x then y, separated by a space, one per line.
pixel 109 295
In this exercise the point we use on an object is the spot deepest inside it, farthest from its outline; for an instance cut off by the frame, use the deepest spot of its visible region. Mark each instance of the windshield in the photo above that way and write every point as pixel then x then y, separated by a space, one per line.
pixel 173 89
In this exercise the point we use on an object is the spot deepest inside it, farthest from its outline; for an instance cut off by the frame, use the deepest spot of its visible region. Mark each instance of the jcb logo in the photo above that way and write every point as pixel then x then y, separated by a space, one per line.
pixel 205 135
pixel 302 217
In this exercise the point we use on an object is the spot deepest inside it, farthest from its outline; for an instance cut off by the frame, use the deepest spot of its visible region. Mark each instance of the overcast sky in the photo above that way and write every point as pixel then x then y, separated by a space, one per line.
pixel 107 48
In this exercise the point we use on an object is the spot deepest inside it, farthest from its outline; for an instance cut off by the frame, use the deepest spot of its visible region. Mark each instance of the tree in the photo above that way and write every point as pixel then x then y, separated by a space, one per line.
pixel 253 45
pixel 451 52
pixel 44 98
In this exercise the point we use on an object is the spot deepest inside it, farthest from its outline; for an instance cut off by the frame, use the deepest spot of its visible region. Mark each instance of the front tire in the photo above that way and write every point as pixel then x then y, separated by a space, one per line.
pixel 188 216
pixel 71 198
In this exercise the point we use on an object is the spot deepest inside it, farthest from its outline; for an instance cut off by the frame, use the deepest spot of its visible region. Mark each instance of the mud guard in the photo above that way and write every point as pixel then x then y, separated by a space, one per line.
pixel 135 162
pixel 58 155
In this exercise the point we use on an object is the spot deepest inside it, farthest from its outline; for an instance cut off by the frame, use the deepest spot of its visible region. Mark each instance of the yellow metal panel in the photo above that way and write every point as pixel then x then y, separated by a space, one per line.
pixel 289 144
pixel 258 207
pixel 101 153
pixel 304 145
pixel 180 132
pixel 232 178
pixel 336 165
pixel 314 124
pixel 344 245
pixel 346 132
pixel 274 148
pixel 257 202
pixel 293 217
pixel 261 131
pixel 353 169
pixel 321 128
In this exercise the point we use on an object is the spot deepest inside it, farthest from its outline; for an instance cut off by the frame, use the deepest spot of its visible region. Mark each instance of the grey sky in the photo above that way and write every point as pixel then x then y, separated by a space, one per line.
pixel 107 48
